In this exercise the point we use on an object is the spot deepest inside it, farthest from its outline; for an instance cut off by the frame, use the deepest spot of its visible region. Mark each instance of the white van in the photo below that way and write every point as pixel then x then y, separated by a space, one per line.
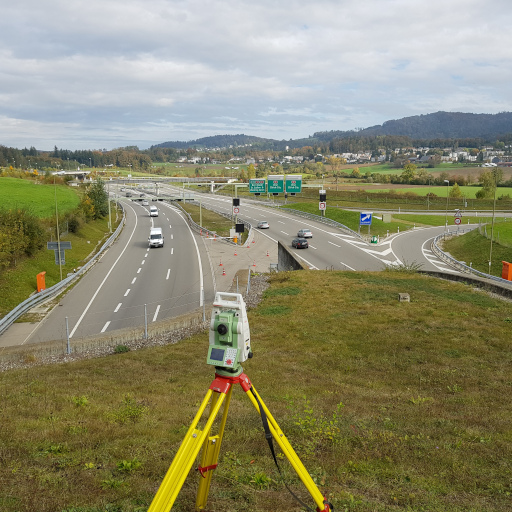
pixel 153 211
pixel 156 238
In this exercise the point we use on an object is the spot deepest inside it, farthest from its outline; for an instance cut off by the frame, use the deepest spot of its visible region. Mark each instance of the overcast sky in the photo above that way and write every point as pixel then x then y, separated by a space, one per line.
pixel 108 73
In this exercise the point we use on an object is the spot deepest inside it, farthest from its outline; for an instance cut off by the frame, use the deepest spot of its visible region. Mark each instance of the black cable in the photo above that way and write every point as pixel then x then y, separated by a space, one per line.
pixel 268 437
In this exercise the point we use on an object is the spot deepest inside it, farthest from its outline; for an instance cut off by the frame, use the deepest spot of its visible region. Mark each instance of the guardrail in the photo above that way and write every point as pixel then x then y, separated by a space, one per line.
pixel 44 295
pixel 459 265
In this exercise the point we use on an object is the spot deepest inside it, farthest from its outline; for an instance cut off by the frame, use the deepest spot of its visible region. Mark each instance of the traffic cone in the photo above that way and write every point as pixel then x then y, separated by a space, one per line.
pixel 235 252
pixel 253 263
pixel 253 240
pixel 268 254
pixel 220 264
pixel 223 271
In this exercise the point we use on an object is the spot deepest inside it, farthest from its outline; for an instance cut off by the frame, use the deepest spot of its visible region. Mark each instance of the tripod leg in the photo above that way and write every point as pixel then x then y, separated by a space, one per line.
pixel 289 452
pixel 210 456
pixel 185 457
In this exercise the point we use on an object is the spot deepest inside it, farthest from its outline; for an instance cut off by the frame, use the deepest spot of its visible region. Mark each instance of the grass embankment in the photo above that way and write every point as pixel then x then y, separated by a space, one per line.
pixel 475 249
pixel 18 283
pixel 36 197
pixel 210 220
pixel 390 405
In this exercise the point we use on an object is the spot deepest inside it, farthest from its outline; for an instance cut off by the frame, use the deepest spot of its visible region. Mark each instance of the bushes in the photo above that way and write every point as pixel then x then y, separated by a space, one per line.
pixel 21 234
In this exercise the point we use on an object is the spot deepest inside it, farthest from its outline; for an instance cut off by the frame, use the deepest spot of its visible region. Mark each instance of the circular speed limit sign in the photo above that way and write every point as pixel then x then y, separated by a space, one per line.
pixel 457 220
pixel 236 209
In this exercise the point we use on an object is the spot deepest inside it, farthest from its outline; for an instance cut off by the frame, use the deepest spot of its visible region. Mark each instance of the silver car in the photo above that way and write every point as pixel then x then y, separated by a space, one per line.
pixel 305 233
pixel 263 224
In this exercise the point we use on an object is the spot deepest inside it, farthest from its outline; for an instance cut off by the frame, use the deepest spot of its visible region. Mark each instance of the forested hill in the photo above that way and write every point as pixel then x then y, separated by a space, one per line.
pixel 440 125
pixel 218 141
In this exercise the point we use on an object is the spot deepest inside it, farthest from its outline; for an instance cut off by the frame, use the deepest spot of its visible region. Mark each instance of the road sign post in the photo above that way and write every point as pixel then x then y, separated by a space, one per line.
pixel 257 186
pixel 276 184
pixel 59 248
pixel 294 184
pixel 365 219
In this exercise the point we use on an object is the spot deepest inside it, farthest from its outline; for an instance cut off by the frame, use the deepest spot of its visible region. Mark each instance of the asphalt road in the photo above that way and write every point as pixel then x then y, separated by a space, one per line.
pixel 331 248
pixel 131 283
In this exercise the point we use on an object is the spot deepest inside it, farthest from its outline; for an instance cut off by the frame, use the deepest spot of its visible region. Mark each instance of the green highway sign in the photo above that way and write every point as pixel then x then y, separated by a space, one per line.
pixel 294 184
pixel 275 184
pixel 257 186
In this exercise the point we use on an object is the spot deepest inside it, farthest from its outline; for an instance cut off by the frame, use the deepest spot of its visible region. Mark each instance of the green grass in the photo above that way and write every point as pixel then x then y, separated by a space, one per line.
pixel 390 406
pixel 422 191
pixel 210 220
pixel 475 249
pixel 37 197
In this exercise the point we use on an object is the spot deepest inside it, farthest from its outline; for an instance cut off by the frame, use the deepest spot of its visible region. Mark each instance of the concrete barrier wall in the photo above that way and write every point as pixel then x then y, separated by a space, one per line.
pixel 159 333
pixel 286 259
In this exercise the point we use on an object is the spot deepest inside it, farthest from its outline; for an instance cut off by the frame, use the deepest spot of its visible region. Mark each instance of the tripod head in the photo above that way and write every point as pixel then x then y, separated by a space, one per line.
pixel 230 338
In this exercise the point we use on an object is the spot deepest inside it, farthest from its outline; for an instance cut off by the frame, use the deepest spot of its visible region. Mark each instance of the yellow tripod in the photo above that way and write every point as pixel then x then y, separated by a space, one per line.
pixel 220 390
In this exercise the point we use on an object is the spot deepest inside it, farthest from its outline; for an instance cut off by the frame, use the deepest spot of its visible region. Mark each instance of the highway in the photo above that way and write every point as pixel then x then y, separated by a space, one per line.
pixel 132 284
pixel 331 248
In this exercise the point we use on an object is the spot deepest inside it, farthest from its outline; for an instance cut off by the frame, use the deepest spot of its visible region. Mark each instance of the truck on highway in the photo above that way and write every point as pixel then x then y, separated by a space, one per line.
pixel 156 238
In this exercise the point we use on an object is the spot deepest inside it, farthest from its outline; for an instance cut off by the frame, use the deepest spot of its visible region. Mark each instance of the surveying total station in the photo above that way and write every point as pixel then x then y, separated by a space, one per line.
pixel 229 346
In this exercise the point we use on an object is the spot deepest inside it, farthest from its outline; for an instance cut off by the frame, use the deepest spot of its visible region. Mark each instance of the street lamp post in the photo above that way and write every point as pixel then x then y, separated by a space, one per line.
pixel 446 216
pixel 492 223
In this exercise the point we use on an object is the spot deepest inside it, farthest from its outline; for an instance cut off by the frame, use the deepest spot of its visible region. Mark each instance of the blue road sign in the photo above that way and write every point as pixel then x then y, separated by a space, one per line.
pixel 365 219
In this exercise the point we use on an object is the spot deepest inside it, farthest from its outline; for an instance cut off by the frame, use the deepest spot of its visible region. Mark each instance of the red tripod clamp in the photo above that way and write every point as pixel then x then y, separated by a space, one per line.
pixel 206 469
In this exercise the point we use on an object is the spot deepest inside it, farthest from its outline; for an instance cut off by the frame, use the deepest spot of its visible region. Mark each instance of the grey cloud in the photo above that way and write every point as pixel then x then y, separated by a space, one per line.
pixel 145 71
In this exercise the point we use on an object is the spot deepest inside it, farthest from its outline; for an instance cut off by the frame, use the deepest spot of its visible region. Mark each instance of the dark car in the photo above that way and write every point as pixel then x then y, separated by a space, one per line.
pixel 300 243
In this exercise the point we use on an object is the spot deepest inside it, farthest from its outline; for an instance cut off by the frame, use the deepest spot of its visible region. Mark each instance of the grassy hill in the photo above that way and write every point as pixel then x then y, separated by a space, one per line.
pixel 38 197
pixel 390 405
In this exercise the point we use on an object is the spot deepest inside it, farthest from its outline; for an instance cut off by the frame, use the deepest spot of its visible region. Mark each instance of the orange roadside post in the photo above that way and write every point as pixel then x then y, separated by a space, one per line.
pixel 41 284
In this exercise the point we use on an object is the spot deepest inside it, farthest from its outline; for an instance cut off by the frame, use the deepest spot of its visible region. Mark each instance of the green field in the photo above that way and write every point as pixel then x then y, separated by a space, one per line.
pixel 422 191
pixel 391 406
pixel 38 198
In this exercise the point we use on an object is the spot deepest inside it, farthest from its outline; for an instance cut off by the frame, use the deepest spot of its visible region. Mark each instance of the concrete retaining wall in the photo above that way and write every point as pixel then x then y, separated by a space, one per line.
pixel 286 259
